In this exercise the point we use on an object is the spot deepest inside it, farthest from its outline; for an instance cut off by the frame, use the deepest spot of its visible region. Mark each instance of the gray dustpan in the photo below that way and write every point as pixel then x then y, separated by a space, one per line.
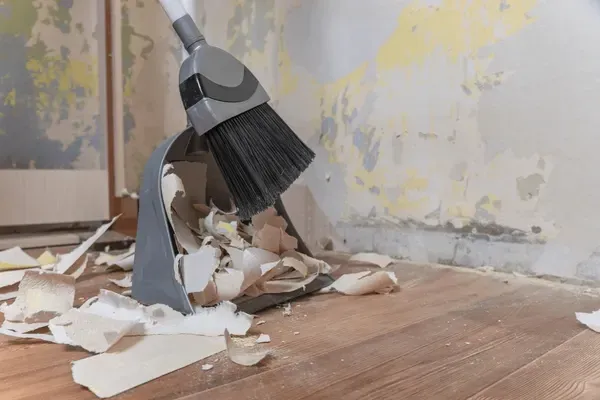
pixel 154 279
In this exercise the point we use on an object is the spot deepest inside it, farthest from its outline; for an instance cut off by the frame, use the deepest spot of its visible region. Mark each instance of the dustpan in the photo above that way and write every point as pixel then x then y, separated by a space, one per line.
pixel 154 278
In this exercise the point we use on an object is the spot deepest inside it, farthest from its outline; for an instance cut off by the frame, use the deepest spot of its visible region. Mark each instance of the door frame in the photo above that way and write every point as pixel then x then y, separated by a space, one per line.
pixel 118 204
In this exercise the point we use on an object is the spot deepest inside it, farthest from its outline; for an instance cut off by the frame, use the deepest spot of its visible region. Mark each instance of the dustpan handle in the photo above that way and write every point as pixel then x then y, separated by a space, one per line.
pixel 184 25
pixel 174 9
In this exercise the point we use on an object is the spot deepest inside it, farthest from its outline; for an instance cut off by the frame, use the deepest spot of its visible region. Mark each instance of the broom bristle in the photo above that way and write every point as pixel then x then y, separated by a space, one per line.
pixel 259 156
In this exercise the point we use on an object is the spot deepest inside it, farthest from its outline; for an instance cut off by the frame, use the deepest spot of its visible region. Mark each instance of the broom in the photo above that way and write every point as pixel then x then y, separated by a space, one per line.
pixel 258 154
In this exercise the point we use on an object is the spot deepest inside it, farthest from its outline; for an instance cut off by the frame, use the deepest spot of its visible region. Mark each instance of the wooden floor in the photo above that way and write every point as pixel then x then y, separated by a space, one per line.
pixel 445 335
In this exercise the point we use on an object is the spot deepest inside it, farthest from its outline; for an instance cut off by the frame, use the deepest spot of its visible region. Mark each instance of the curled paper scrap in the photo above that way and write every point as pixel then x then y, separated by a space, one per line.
pixel 242 355
pixel 363 283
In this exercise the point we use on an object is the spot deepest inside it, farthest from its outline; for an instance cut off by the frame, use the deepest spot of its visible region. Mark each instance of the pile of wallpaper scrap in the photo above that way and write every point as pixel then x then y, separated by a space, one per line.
pixel 220 259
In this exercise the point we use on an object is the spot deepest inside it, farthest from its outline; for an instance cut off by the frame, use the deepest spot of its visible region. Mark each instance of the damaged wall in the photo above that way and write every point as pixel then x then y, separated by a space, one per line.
pixel 150 58
pixel 450 131
pixel 50 105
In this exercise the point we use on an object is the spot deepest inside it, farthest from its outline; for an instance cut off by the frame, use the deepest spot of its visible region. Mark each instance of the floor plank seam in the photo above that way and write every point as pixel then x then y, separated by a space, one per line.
pixel 415 350
pixel 191 396
pixel 525 365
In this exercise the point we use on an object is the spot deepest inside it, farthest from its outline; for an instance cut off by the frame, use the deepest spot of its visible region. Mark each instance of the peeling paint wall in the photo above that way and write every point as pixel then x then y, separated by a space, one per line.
pixel 50 107
pixel 151 55
pixel 456 131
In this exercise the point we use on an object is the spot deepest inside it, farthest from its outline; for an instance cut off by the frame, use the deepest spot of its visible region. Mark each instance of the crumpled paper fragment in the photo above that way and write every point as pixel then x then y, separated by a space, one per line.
pixel 249 261
pixel 274 239
pixel 122 261
pixel 365 282
pixel 591 320
pixel 16 258
pixel 160 319
pixel 242 355
pixel 179 209
pixel 41 296
pixel 47 258
pixel 125 282
pixel 228 284
pixel 103 320
pixel 66 261
pixel 198 268
pixel 94 333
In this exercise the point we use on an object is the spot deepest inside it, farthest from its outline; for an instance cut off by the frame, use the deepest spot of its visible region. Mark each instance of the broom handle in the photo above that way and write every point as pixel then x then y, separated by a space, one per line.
pixel 184 25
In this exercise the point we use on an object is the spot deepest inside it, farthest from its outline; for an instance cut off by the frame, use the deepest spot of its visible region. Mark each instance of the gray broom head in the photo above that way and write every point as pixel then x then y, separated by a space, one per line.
pixel 258 153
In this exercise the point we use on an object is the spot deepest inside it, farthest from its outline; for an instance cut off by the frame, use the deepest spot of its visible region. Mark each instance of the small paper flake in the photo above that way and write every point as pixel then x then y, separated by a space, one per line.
pixel 243 355
pixel 365 282
pixel 66 261
pixel 76 273
pixel 287 310
pixel 47 258
pixel 123 261
pixel 198 268
pixel 125 282
pixel 591 320
pixel 263 338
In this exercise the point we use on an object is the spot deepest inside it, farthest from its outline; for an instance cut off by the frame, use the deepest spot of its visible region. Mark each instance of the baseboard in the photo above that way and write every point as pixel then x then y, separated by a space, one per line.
pixel 114 240
pixel 32 241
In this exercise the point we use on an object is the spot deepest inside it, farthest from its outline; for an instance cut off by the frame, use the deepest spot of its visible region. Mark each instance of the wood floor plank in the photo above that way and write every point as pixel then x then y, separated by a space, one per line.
pixel 446 357
pixel 571 371
pixel 446 335
pixel 328 322
pixel 344 321
pixel 324 323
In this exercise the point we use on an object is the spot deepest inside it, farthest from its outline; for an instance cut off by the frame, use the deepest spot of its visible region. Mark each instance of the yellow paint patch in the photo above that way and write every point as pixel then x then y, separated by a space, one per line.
pixel 11 98
pixel 349 94
pixel 455 27
pixel 76 74
pixel 47 258
pixel 404 124
pixel 475 86
pixel 462 210
pixel 414 182
pixel 491 204
pixel 458 189
pixel 288 80
pixel 10 267
pixel 410 198
pixel 227 227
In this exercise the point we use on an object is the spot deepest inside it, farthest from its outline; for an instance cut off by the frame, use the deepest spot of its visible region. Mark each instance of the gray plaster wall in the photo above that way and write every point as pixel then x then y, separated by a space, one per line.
pixel 445 131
